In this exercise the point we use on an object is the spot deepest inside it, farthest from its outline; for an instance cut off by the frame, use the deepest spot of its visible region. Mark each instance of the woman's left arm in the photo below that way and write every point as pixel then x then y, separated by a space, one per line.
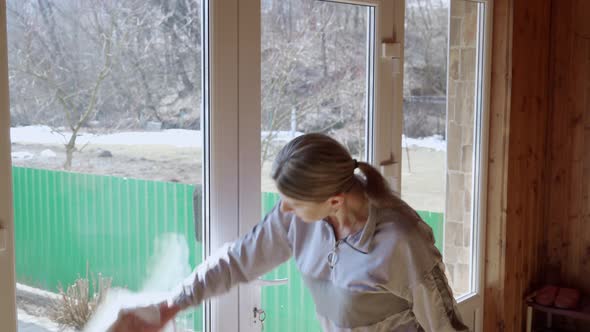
pixel 433 303
pixel 417 275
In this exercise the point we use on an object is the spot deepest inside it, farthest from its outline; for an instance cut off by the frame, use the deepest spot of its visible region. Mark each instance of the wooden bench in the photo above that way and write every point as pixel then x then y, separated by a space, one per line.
pixel 581 313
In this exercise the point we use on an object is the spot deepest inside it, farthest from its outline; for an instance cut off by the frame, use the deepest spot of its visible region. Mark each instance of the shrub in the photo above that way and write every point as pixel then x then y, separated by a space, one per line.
pixel 78 302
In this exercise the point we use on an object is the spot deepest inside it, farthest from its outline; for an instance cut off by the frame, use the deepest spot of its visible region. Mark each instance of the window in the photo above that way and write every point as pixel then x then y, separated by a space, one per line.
pixel 444 137
pixel 107 124
pixel 317 75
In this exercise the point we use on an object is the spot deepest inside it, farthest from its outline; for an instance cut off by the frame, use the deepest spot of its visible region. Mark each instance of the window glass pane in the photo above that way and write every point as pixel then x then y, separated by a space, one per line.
pixel 316 69
pixel 440 116
pixel 424 134
pixel 107 148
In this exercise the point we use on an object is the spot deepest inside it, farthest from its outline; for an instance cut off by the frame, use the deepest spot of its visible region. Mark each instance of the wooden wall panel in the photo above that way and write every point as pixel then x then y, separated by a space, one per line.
pixel 519 117
pixel 568 187
pixel 497 165
pixel 538 226
pixel 527 147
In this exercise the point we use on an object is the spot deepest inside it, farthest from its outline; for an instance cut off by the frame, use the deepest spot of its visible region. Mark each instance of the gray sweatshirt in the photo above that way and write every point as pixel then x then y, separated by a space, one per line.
pixel 389 276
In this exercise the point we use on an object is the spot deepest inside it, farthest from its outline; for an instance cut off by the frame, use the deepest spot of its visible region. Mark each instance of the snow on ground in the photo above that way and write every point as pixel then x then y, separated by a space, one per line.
pixel 47 153
pixel 435 142
pixel 42 322
pixel 35 323
pixel 36 291
pixel 172 137
pixel 29 327
pixel 22 155
pixel 45 135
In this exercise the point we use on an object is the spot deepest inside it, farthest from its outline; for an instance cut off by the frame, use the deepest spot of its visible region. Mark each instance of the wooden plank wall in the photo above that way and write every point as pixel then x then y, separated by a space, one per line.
pixel 568 187
pixel 497 165
pixel 527 156
pixel 538 227
pixel 517 158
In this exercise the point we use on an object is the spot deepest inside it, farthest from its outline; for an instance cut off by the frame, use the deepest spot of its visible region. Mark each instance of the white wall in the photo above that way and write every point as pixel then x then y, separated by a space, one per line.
pixel 7 279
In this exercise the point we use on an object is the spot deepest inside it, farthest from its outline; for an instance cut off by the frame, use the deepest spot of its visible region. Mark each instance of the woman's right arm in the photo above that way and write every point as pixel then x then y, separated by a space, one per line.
pixel 266 246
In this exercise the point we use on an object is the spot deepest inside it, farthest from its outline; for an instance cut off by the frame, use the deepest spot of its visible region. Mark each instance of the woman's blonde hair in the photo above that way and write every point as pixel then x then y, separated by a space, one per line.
pixel 314 167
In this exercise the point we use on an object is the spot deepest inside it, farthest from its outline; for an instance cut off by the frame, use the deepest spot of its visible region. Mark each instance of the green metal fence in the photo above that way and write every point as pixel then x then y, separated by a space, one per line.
pixel 288 307
pixel 68 222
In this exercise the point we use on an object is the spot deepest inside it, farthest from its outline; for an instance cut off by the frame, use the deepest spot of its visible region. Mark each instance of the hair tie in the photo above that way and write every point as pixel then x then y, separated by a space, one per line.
pixel 356 163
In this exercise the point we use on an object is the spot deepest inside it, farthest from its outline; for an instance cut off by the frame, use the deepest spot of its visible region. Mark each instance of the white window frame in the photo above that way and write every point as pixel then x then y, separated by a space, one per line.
pixel 234 91
pixel 7 276
pixel 471 305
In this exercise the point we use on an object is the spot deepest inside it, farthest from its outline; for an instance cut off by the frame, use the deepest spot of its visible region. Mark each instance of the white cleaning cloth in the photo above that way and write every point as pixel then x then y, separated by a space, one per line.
pixel 117 301
pixel 168 267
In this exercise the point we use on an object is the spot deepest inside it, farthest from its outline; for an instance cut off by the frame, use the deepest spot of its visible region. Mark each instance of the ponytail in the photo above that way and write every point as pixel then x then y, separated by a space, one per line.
pixel 314 167
pixel 376 188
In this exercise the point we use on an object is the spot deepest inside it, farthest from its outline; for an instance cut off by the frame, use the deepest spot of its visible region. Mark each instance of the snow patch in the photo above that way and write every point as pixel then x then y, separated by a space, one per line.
pixel 43 322
pixel 36 291
pixel 47 153
pixel 46 135
pixel 22 155
pixel 435 142
pixel 36 134
pixel 171 137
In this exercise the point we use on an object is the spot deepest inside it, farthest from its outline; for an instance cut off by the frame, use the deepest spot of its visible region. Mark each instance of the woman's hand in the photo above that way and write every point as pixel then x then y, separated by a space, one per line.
pixel 145 319
pixel 168 312
pixel 129 322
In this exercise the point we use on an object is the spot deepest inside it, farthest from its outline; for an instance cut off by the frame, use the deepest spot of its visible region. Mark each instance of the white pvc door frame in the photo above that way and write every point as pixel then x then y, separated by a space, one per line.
pixel 471 305
pixel 7 276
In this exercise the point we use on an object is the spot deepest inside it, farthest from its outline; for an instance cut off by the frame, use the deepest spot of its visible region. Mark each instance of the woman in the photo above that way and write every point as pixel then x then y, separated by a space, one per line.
pixel 366 256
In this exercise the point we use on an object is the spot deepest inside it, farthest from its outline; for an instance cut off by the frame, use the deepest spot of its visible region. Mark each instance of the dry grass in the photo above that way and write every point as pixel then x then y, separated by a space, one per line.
pixel 79 301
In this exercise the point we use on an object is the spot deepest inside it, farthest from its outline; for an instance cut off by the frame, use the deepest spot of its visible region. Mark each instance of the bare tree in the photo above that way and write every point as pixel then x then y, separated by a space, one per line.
pixel 426 44
pixel 313 67
pixel 121 64
pixel 51 64
pixel 118 63
pixel 425 88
